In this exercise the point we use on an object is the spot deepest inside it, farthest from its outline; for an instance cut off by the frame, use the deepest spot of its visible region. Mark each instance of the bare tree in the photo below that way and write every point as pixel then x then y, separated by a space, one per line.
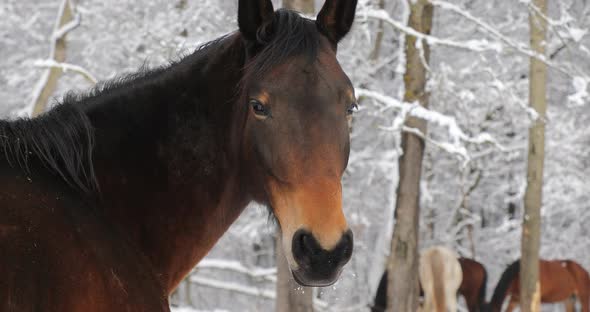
pixel 402 292
pixel 379 38
pixel 464 206
pixel 291 297
pixel 530 299
pixel 66 21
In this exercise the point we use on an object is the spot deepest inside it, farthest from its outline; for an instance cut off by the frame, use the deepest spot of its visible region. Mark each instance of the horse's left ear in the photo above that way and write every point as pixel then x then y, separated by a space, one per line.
pixel 335 19
pixel 252 14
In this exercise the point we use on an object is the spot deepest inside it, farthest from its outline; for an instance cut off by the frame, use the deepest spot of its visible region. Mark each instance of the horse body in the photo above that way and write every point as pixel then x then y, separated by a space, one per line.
pixel 473 287
pixel 582 281
pixel 131 247
pixel 473 284
pixel 108 200
pixel 440 277
pixel 559 281
pixel 57 256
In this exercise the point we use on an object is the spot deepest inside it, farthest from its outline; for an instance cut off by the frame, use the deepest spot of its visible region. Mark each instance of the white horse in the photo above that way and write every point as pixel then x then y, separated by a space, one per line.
pixel 440 275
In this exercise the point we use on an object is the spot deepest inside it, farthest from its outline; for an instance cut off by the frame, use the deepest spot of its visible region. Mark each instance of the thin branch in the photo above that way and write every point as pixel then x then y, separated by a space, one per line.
pixel 65 67
pixel 235 266
pixel 233 287
pixel 65 29
pixel 472 45
pixel 460 151
pixel 455 132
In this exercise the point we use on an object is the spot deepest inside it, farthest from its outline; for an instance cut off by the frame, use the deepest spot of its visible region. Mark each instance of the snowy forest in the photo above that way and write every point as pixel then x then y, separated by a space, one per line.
pixel 473 182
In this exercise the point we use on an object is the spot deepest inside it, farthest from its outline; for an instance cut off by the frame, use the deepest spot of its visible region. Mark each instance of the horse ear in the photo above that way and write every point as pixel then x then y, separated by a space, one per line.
pixel 335 19
pixel 252 14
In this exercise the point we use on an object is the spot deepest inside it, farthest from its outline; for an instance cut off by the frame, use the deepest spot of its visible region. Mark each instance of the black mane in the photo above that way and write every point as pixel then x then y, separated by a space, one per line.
pixel 62 140
pixel 287 35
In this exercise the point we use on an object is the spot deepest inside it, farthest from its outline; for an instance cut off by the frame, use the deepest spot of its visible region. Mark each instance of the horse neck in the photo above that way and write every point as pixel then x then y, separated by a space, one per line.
pixel 503 286
pixel 166 171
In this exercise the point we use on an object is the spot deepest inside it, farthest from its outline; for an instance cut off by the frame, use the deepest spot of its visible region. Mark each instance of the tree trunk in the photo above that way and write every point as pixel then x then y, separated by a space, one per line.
pixel 379 38
pixel 465 208
pixel 531 224
pixel 402 294
pixel 291 297
pixel 58 53
pixel 303 6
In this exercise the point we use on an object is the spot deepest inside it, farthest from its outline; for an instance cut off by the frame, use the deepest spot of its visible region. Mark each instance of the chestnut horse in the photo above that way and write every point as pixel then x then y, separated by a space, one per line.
pixel 473 287
pixel 108 200
pixel 559 281
pixel 440 276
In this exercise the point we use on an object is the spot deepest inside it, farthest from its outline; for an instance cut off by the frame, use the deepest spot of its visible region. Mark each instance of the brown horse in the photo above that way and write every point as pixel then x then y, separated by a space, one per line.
pixel 473 287
pixel 108 200
pixel 559 280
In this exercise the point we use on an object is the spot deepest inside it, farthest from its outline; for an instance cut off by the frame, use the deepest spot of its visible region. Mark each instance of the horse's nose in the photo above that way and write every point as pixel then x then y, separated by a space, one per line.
pixel 311 257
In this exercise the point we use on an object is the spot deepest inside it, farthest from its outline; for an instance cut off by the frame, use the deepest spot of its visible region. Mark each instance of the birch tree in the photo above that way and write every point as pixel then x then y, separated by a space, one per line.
pixel 291 297
pixel 66 21
pixel 403 262
pixel 530 297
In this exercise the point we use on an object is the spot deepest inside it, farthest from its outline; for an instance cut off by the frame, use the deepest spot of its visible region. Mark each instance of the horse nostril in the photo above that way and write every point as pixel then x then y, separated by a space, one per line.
pixel 303 247
pixel 308 252
pixel 346 245
pixel 308 243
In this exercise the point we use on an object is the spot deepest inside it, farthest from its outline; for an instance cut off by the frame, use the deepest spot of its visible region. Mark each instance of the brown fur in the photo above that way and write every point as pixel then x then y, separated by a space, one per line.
pixel 110 208
pixel 559 280
pixel 473 285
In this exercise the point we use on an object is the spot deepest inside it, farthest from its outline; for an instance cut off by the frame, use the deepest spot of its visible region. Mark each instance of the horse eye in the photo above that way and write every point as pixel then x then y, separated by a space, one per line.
pixel 353 107
pixel 259 109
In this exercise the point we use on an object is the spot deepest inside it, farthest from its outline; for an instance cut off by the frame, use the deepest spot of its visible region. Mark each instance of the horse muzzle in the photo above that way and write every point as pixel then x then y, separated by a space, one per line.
pixel 319 267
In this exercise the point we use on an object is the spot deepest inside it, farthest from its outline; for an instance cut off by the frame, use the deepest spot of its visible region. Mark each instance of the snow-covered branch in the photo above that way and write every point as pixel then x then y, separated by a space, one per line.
pixel 519 47
pixel 246 290
pixel 459 150
pixel 473 45
pixel 456 134
pixel 233 287
pixel 222 264
pixel 65 67
pixel 66 28
pixel 65 22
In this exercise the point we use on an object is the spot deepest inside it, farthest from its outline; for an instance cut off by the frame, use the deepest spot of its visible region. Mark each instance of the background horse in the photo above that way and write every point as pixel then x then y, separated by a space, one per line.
pixel 473 287
pixel 440 277
pixel 559 280
pixel 111 198
pixel 473 284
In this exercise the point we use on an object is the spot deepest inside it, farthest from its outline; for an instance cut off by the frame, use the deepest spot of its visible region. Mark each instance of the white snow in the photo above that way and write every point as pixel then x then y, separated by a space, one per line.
pixel 580 95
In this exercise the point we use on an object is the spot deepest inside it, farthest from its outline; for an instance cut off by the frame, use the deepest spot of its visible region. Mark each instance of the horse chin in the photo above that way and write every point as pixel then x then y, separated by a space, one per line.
pixel 309 279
